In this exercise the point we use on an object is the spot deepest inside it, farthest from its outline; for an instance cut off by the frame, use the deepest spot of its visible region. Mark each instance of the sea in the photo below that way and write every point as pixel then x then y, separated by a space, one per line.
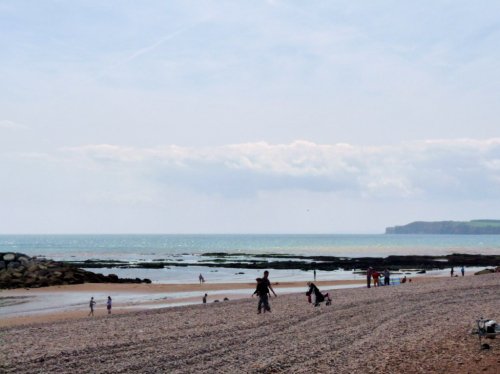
pixel 186 248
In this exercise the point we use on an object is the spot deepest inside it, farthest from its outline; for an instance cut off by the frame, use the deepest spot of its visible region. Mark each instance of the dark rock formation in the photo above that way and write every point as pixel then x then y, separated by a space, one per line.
pixel 20 271
pixel 268 261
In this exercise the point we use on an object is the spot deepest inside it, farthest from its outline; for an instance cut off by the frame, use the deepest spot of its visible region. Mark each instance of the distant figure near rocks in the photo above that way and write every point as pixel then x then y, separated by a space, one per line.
pixel 463 271
pixel 369 273
pixel 91 305
pixel 201 279
pixel 452 271
pixel 205 299
pixel 387 277
pixel 108 304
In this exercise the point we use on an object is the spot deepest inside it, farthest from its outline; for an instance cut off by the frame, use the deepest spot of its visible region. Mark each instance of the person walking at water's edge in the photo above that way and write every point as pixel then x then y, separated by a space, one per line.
pixel 452 271
pixel 201 279
pixel 91 305
pixel 109 304
pixel 463 271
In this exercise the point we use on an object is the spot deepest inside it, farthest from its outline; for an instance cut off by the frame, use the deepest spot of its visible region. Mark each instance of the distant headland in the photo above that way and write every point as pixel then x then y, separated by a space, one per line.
pixel 474 227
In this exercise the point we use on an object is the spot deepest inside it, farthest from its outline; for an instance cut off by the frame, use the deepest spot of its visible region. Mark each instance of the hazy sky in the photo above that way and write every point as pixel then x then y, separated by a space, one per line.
pixel 247 116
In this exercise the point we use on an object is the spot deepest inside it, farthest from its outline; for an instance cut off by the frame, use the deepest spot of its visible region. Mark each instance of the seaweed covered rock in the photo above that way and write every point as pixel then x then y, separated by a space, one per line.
pixel 18 270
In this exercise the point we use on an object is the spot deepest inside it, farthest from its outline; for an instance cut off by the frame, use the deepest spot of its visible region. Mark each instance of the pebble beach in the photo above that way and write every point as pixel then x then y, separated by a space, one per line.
pixel 420 327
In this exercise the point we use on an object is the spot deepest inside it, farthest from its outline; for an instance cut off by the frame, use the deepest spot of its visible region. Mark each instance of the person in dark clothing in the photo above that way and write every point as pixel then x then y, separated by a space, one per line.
pixel 268 283
pixel 387 277
pixel 369 273
pixel 318 296
pixel 262 291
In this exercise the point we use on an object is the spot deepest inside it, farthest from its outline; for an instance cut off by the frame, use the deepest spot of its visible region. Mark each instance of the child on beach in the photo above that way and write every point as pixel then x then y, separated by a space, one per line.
pixel 205 299
pixel 91 305
pixel 108 304
pixel 262 291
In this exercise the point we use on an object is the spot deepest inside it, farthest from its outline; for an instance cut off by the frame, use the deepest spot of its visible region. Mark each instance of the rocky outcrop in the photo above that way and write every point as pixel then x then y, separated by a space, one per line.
pixel 474 227
pixel 20 271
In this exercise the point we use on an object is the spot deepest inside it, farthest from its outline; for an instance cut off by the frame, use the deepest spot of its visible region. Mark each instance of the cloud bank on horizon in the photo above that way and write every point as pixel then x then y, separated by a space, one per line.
pixel 268 116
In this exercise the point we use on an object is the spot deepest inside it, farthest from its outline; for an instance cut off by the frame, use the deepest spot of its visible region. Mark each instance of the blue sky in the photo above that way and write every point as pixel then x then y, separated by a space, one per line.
pixel 238 116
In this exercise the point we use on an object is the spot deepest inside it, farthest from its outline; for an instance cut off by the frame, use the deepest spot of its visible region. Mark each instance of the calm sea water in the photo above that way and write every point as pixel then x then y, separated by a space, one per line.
pixel 149 247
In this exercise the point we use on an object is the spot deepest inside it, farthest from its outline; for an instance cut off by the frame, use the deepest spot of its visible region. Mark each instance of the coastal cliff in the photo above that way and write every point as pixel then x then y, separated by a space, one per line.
pixel 474 227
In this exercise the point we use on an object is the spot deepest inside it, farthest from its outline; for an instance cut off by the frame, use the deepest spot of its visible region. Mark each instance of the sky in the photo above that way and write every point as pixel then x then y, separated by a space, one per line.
pixel 247 116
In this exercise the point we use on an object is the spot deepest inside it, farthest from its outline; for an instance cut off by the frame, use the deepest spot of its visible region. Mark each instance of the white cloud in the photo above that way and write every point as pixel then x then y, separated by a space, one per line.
pixel 426 169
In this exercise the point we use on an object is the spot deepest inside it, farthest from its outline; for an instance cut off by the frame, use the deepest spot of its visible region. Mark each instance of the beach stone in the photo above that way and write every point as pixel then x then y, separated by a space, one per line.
pixel 484 271
pixel 9 257
pixel 3 265
pixel 23 260
pixel 13 264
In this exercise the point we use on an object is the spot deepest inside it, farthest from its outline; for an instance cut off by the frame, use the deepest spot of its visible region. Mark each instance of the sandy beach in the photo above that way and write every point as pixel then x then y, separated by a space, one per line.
pixel 70 302
pixel 421 327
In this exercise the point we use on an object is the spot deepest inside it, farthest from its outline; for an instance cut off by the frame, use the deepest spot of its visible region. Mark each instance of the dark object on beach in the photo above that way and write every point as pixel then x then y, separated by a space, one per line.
pixel 486 328
pixel 421 272
pixel 226 299
pixel 216 301
pixel 318 295
pixel 22 271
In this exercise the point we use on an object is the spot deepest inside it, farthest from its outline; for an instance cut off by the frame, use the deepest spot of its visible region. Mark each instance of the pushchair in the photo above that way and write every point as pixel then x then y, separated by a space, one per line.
pixel 319 297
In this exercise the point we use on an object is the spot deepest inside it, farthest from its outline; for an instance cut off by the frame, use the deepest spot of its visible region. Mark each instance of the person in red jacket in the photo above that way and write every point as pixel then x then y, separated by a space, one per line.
pixel 375 276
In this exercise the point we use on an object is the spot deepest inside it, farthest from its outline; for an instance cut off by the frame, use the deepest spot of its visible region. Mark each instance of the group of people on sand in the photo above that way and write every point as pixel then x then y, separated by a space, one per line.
pixel 92 303
pixel 372 273
pixel 264 286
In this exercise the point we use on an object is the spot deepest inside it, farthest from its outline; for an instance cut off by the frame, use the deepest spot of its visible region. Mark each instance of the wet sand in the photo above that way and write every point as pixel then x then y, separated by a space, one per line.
pixel 133 295
pixel 419 327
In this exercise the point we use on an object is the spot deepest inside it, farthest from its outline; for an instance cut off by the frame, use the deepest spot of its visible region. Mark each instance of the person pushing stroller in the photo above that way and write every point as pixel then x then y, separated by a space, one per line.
pixel 318 296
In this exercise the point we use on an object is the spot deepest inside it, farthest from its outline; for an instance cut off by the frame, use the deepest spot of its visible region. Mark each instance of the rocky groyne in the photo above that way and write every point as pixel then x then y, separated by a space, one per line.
pixel 18 270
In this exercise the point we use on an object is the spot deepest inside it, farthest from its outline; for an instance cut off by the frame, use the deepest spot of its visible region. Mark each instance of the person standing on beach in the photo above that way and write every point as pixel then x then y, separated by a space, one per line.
pixel 315 275
pixel 369 273
pixel 375 275
pixel 463 271
pixel 452 271
pixel 262 291
pixel 108 304
pixel 205 299
pixel 387 279
pixel 91 305
pixel 202 280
